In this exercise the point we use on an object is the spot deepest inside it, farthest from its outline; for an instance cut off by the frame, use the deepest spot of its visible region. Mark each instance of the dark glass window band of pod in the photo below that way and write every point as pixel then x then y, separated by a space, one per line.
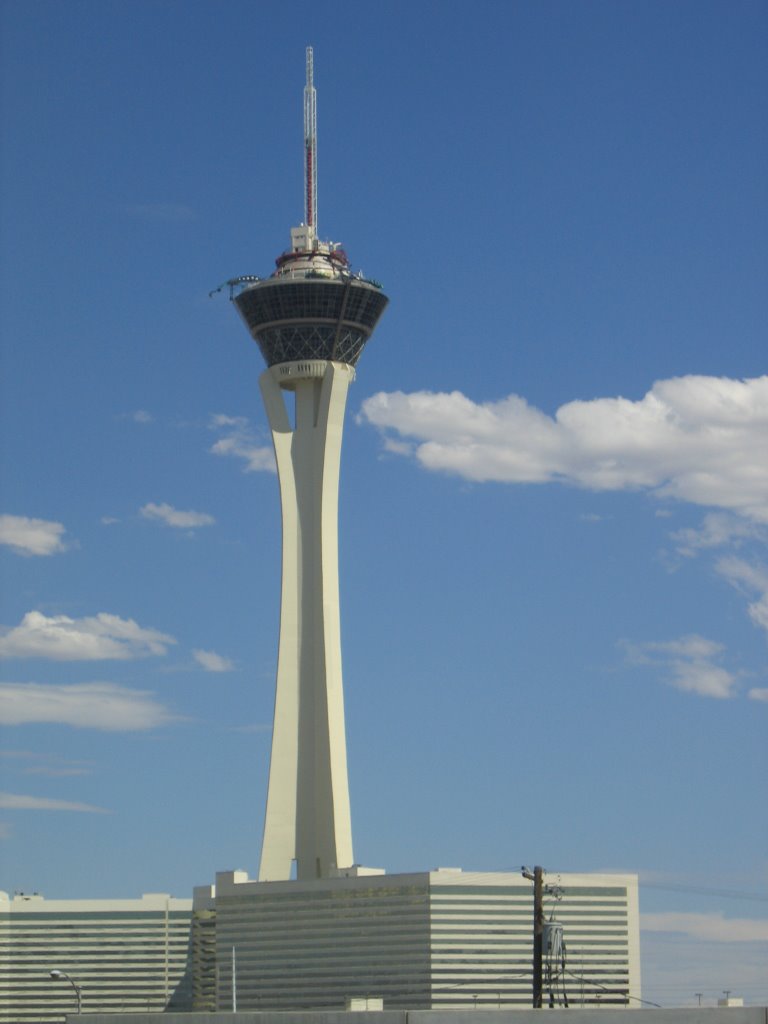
pixel 311 319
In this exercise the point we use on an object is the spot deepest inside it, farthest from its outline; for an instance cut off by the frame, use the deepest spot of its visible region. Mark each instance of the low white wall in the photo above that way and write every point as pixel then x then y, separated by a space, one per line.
pixel 697 1015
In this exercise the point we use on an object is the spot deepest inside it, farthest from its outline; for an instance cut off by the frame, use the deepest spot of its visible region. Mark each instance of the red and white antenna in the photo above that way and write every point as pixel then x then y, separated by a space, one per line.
pixel 310 150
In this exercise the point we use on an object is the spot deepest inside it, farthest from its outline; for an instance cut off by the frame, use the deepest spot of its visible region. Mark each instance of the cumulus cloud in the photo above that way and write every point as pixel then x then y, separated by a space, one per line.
pixel 17 802
pixel 220 419
pixel 175 517
pixel 697 439
pixel 104 706
pixel 28 536
pixel 749 579
pixel 707 927
pixel 239 441
pixel 758 693
pixel 35 763
pixel 730 531
pixel 101 637
pixel 213 662
pixel 688 664
pixel 718 529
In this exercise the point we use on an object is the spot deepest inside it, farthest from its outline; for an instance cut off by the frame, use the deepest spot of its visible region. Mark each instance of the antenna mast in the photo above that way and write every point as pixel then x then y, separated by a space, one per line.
pixel 310 150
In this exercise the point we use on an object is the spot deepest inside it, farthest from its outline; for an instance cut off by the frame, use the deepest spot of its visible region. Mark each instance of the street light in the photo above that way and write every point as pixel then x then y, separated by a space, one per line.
pixel 56 975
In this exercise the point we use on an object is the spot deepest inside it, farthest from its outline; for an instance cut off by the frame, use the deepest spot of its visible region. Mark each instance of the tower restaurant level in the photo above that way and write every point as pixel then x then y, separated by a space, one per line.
pixel 313 306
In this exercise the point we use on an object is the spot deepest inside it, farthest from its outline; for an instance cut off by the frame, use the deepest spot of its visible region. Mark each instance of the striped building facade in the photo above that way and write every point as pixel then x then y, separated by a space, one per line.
pixel 123 954
pixel 434 940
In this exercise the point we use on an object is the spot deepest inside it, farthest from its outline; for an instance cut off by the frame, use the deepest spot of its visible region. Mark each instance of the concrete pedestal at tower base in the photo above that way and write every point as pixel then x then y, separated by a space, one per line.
pixel 697 1015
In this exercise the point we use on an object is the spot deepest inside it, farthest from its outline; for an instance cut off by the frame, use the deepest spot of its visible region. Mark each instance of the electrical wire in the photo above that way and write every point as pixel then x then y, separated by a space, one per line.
pixel 700 890
pixel 611 991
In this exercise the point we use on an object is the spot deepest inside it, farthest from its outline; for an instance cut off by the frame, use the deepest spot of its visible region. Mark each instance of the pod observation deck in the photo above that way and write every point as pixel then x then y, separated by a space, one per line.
pixel 312 307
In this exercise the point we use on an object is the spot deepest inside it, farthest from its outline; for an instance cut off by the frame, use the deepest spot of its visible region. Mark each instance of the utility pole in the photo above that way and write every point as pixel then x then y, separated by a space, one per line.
pixel 537 877
pixel 538 934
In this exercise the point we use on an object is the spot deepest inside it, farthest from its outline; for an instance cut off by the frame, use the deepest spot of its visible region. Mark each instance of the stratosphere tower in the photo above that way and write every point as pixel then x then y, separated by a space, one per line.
pixel 311 320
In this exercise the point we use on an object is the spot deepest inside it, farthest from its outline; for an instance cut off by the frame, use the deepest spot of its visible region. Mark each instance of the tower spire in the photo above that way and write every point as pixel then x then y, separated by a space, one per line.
pixel 310 150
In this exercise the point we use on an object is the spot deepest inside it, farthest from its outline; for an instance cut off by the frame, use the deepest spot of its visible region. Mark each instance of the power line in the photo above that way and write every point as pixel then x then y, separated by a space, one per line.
pixel 610 991
pixel 700 890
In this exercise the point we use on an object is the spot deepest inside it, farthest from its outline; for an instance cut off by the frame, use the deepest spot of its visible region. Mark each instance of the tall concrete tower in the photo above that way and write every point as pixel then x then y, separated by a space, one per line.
pixel 311 320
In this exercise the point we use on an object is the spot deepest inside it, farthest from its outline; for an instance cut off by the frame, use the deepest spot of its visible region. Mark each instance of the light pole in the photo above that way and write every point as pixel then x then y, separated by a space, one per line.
pixel 57 975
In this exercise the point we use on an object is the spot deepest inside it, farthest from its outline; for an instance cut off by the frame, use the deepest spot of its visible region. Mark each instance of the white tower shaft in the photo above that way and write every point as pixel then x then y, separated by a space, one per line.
pixel 308 813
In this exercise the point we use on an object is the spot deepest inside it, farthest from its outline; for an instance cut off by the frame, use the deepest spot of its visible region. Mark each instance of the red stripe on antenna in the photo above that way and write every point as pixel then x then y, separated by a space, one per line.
pixel 310 209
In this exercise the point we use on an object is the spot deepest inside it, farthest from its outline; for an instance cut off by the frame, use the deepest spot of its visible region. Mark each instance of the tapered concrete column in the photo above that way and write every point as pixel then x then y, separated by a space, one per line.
pixel 308 815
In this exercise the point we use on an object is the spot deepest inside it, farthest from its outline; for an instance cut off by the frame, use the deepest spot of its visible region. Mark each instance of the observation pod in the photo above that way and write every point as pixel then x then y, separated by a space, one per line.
pixel 311 320
pixel 312 307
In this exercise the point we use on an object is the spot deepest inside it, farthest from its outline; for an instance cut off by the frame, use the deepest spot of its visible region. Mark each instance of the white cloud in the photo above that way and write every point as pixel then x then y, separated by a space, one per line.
pixel 105 706
pixel 707 927
pixel 28 536
pixel 16 802
pixel 697 439
pixel 718 529
pixel 240 442
pixel 693 647
pixel 175 517
pixel 758 693
pixel 398 447
pixel 677 966
pixel 213 662
pixel 101 637
pixel 725 530
pixel 688 664
pixel 220 419
pixel 751 579
pixel 142 416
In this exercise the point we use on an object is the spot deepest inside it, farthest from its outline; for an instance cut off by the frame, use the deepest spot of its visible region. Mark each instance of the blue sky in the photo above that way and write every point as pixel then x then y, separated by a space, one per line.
pixel 554 497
